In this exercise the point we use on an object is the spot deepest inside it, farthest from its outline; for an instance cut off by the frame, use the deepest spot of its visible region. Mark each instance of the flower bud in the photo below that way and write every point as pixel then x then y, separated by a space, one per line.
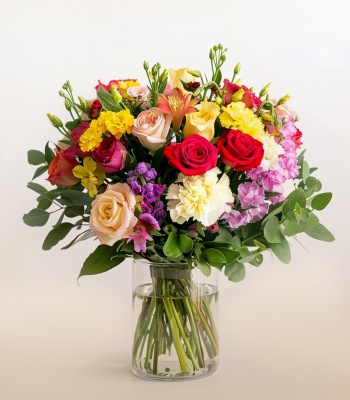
pixel 116 95
pixel 211 54
pixel 264 90
pixel 84 106
pixel 218 101
pixel 267 117
pixel 55 121
pixel 67 105
pixel 237 68
pixel 197 91
pixel 283 99
pixel 145 65
pixel 196 73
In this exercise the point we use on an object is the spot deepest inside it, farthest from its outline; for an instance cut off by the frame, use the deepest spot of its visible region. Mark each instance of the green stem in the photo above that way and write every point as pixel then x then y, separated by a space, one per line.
pixel 175 335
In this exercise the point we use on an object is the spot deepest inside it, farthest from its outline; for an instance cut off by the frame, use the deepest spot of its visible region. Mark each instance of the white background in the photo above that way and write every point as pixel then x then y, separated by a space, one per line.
pixel 285 329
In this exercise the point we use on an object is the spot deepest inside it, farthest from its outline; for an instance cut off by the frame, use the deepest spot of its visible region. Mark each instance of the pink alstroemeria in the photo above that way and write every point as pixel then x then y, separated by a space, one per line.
pixel 176 104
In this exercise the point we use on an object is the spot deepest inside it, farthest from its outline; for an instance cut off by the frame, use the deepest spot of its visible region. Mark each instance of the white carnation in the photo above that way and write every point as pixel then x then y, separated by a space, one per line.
pixel 201 197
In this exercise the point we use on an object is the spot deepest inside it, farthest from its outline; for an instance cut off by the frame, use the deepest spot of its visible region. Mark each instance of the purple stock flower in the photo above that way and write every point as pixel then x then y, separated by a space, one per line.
pixel 148 222
pixel 250 194
pixel 141 168
pixel 150 174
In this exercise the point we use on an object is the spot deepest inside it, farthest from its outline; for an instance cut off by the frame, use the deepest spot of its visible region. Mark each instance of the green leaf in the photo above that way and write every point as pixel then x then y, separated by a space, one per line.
pixel 258 259
pixel 82 236
pixel 313 182
pixel 101 260
pixel 58 233
pixel 39 171
pixel 272 231
pixel 107 100
pixel 77 198
pixel 296 197
pixel 320 232
pixel 43 202
pixel 320 201
pixel 203 266
pixel 305 170
pixel 37 188
pixel 171 246
pixel 36 157
pixel 235 272
pixel 49 154
pixel 36 217
pixel 71 125
pixel 214 257
pixel 73 212
pixel 185 243
pixel 282 251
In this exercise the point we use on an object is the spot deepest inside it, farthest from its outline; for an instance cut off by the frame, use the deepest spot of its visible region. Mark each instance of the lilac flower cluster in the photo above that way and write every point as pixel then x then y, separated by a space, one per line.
pixel 141 181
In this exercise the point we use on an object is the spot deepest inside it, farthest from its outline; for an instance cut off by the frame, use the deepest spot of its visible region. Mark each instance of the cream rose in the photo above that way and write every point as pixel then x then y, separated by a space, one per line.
pixel 202 121
pixel 175 76
pixel 112 213
pixel 151 127
pixel 141 94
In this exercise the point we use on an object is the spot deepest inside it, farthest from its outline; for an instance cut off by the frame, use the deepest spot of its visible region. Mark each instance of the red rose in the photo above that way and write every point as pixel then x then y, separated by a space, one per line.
pixel 240 151
pixel 249 98
pixel 95 109
pixel 194 156
pixel 110 154
pixel 60 170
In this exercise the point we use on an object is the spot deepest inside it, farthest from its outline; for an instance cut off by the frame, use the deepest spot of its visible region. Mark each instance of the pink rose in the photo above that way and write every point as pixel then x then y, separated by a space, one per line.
pixel 112 213
pixel 60 170
pixel 151 127
pixel 110 154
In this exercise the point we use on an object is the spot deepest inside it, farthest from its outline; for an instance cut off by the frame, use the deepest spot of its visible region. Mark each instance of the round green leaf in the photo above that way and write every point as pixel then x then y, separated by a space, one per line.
pixel 320 201
pixel 36 217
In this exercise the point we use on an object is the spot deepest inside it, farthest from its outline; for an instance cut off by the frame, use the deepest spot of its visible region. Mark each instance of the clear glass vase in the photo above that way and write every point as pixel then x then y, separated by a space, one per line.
pixel 175 321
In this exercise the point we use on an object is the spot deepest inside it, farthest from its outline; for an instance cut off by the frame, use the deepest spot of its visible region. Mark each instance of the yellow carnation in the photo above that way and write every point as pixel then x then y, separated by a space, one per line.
pixel 92 137
pixel 118 123
pixel 237 116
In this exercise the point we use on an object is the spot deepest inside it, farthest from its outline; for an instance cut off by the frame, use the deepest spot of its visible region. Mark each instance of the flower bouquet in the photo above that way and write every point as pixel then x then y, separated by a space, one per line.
pixel 184 174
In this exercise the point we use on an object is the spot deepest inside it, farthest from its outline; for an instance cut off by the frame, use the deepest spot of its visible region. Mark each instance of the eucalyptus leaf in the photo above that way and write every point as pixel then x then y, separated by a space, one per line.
pixel 36 217
pixel 37 188
pixel 214 257
pixel 320 232
pixel 296 197
pixel 235 272
pixel 272 231
pixel 282 251
pixel 320 201
pixel 77 197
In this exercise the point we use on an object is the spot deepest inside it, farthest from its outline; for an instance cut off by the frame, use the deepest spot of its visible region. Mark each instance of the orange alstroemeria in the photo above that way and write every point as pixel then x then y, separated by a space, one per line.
pixel 176 104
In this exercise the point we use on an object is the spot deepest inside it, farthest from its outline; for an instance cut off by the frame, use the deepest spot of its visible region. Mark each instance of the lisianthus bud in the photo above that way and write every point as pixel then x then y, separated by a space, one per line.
pixel 84 105
pixel 264 90
pixel 197 74
pixel 145 65
pixel 67 105
pixel 283 99
pixel 55 121
pixel 237 68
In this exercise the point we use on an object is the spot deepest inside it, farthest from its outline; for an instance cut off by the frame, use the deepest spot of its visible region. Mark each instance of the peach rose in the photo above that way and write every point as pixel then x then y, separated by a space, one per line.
pixel 202 121
pixel 283 110
pixel 151 127
pixel 112 213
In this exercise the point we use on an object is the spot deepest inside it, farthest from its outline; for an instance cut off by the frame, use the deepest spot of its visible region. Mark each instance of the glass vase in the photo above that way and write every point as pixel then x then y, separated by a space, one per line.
pixel 175 321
